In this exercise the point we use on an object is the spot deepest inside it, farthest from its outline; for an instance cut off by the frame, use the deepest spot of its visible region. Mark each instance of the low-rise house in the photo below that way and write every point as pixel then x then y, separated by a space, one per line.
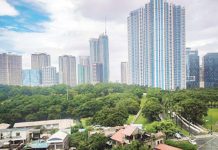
pixel 4 126
pixel 59 141
pixel 61 124
pixel 127 135
pixel 14 137
pixel 166 147
pixel 155 139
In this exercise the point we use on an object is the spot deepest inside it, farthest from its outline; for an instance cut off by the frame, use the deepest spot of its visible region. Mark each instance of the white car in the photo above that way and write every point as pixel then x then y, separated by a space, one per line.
pixel 178 136
pixel 192 142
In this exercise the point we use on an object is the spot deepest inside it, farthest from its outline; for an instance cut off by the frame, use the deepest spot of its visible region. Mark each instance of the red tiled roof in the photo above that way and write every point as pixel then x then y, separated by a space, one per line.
pixel 118 136
pixel 129 130
pixel 166 147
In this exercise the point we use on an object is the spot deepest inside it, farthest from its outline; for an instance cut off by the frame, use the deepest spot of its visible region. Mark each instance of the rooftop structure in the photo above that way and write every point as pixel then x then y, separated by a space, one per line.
pixel 48 124
pixel 166 147
pixel 4 126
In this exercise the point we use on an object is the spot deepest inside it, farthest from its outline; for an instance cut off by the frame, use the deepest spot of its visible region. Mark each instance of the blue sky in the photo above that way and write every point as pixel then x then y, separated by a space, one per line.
pixel 60 27
pixel 29 19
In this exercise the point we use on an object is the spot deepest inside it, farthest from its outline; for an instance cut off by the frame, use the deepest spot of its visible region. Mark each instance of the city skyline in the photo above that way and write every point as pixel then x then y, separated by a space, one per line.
pixel 55 32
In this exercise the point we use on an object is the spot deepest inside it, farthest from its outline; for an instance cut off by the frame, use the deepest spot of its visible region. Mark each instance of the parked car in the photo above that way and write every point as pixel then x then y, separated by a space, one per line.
pixel 178 136
pixel 192 141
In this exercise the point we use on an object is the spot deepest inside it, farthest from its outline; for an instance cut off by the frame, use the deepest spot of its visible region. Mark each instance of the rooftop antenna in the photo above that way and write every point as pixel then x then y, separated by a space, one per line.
pixel 105 31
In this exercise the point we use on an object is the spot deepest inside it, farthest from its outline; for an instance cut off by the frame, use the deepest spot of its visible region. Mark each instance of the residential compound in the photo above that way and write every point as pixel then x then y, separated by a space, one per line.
pixel 67 70
pixel 99 59
pixel 10 69
pixel 210 70
pixel 156 45
pixel 192 69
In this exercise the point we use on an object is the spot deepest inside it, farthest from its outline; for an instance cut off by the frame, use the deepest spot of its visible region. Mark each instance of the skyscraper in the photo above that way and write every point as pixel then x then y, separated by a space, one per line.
pixel 192 69
pixel 49 76
pixel 67 70
pixel 10 69
pixel 99 54
pixel 156 45
pixel 84 70
pixel 210 67
pixel 97 75
pixel 124 72
pixel 31 77
pixel 40 60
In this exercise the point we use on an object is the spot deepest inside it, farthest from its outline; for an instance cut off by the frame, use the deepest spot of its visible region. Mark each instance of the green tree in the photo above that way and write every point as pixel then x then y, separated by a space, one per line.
pixel 152 108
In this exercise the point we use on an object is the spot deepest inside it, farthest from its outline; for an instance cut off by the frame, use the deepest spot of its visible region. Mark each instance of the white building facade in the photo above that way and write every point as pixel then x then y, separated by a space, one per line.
pixel 156 45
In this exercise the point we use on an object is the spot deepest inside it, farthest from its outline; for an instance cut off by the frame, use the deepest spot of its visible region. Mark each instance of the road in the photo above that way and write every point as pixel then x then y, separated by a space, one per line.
pixel 207 142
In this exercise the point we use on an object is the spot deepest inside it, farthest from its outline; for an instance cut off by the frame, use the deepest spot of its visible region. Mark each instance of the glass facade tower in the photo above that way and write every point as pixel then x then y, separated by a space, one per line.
pixel 156 45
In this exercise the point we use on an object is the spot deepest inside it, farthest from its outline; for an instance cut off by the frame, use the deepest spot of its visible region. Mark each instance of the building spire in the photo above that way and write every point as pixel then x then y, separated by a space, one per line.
pixel 105 21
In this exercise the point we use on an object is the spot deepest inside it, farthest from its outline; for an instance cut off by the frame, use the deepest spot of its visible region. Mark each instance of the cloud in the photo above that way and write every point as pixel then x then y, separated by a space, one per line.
pixel 6 9
pixel 72 23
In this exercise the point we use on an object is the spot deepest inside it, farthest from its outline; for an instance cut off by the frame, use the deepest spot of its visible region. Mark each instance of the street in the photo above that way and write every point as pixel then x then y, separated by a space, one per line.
pixel 207 142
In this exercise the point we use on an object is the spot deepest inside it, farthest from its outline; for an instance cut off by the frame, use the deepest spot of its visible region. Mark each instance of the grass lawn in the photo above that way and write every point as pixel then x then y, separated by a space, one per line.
pixel 130 119
pixel 212 119
pixel 84 122
pixel 141 120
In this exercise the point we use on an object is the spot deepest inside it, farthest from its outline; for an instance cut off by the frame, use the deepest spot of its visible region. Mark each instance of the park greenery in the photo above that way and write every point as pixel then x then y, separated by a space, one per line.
pixel 100 101
pixel 109 104
pixel 105 104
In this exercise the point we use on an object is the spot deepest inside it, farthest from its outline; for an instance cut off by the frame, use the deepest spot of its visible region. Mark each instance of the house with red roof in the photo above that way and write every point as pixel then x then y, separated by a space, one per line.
pixel 126 135
pixel 166 147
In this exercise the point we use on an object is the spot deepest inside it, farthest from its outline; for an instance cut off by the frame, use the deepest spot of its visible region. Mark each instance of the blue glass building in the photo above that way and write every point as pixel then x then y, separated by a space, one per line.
pixel 192 69
pixel 31 77
pixel 210 67
pixel 156 45
pixel 99 54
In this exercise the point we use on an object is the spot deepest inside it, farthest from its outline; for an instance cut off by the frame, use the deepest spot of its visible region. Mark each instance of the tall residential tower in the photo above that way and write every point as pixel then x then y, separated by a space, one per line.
pixel 10 69
pixel 40 60
pixel 156 45
pixel 67 70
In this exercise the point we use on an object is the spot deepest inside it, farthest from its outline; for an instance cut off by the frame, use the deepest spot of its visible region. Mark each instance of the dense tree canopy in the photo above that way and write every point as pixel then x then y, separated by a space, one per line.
pixel 42 103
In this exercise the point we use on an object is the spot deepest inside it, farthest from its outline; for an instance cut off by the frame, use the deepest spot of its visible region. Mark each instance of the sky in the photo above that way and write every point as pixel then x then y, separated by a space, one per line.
pixel 64 27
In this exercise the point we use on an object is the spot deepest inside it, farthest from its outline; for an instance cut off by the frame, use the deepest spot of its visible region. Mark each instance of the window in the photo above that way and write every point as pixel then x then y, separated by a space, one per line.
pixel 18 134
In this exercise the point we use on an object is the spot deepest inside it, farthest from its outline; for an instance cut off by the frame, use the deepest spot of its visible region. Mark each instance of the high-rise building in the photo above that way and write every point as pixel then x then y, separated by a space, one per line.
pixel 124 72
pixel 84 70
pixel 31 77
pixel 40 60
pixel 97 73
pixel 10 69
pixel 210 67
pixel 156 45
pixel 201 76
pixel 67 70
pixel 49 76
pixel 192 69
pixel 99 54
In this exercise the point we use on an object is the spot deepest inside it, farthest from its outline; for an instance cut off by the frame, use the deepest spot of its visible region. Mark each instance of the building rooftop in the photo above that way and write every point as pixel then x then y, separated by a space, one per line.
pixel 128 131
pixel 57 137
pixel 39 144
pixel 62 123
pixel 166 147
pixel 118 136
pixel 4 126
